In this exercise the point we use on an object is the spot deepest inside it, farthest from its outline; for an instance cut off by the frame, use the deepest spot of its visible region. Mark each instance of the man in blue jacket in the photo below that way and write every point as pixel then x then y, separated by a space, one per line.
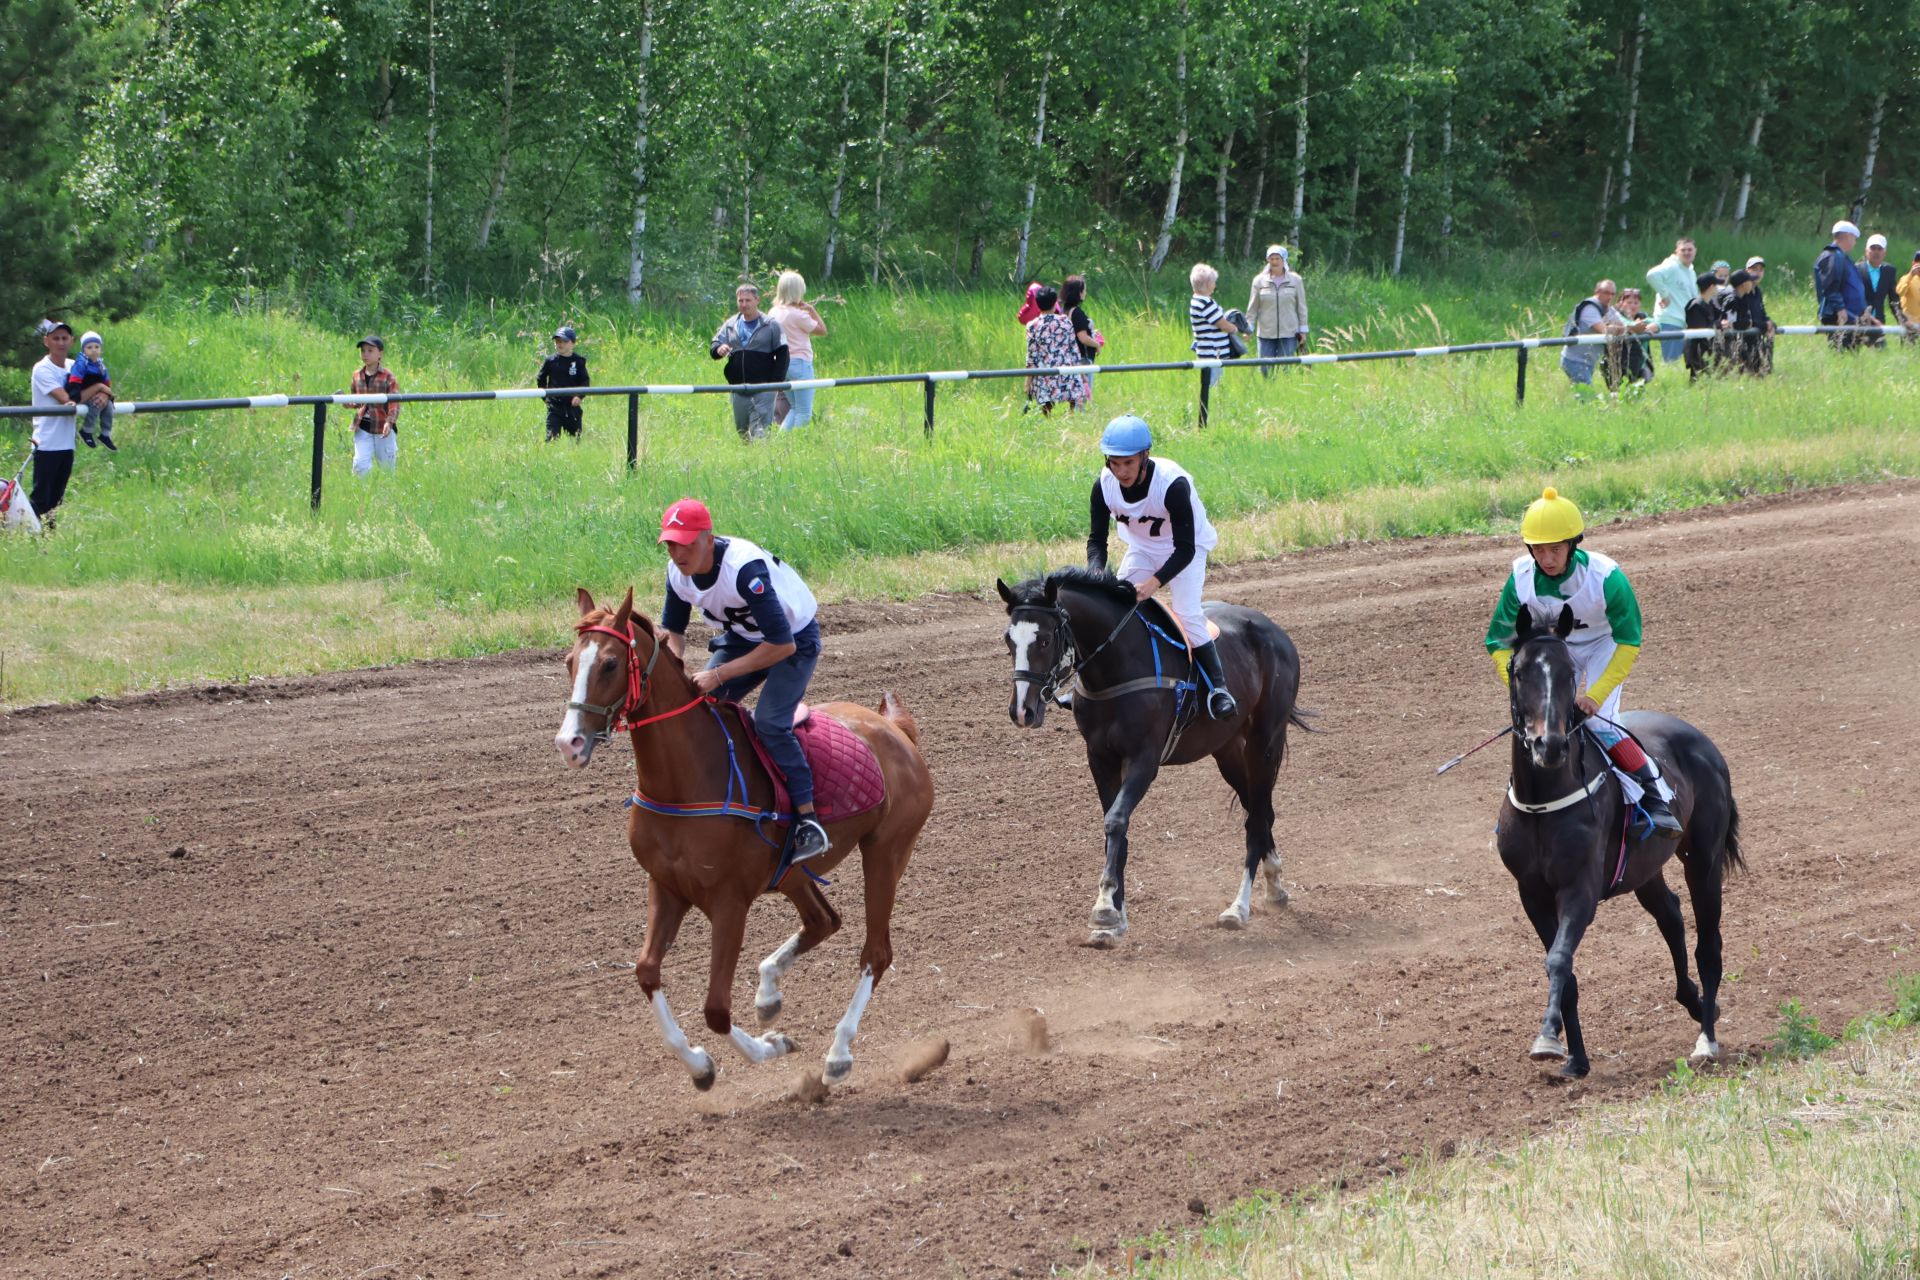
pixel 1842 296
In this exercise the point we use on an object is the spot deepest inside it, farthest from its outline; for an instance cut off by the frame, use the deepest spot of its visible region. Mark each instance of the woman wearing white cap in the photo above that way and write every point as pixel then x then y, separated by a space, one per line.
pixel 1277 307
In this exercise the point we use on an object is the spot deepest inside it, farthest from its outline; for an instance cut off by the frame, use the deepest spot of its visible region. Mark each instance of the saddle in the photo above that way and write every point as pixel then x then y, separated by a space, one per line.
pixel 1157 613
pixel 847 781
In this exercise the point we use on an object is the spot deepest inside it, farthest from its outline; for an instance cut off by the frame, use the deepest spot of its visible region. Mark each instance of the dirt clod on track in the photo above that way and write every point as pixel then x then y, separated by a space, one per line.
pixel 334 976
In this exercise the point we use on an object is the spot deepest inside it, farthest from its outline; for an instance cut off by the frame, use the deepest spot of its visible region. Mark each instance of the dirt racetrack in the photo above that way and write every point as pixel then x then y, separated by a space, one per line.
pixel 332 977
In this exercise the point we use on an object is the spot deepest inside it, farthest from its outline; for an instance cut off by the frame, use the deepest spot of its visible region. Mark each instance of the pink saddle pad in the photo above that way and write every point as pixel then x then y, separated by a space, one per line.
pixel 847 781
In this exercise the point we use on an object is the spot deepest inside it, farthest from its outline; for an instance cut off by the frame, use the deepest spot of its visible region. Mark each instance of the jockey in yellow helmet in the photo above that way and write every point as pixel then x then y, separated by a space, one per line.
pixel 1556 572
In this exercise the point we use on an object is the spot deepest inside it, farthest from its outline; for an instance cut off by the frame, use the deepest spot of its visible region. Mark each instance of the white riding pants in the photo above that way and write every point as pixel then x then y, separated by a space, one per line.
pixel 1181 596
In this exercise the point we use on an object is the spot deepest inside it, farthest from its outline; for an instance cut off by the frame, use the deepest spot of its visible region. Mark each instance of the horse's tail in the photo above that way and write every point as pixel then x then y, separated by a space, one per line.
pixel 899 717
pixel 1298 717
pixel 1732 857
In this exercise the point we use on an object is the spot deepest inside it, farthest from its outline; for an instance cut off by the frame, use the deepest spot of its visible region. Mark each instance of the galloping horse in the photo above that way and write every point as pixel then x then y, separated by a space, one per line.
pixel 1131 704
pixel 623 677
pixel 1562 832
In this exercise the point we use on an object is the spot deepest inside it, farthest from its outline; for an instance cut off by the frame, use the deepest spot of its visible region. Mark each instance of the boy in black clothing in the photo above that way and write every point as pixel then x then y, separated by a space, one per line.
pixel 564 368
pixel 1702 314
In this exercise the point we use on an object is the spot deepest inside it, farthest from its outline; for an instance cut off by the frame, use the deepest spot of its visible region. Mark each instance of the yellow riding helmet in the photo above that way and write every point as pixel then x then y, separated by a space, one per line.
pixel 1551 518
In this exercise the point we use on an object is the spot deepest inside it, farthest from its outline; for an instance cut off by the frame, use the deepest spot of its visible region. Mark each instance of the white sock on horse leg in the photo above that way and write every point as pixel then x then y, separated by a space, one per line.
pixel 695 1059
pixel 774 968
pixel 840 1056
pixel 760 1048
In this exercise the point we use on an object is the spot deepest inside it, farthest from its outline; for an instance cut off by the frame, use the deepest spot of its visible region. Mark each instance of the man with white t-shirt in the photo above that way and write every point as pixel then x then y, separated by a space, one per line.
pixel 763 617
pixel 52 434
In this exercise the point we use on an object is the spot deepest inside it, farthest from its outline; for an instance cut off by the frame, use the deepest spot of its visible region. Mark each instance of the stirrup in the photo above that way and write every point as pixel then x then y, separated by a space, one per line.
pixel 807 840
pixel 1659 813
pixel 1221 706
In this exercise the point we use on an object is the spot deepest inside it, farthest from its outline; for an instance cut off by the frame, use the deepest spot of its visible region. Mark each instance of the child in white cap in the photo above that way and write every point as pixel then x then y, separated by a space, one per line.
pixel 90 387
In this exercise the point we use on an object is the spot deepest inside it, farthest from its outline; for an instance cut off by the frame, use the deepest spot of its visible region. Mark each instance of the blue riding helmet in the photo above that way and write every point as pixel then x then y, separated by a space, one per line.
pixel 1125 436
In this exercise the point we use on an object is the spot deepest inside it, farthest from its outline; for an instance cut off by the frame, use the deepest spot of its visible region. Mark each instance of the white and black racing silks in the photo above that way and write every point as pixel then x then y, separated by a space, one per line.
pixel 749 595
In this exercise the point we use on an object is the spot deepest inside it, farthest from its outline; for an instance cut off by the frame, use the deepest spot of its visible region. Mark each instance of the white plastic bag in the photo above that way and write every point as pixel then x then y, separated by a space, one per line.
pixel 16 512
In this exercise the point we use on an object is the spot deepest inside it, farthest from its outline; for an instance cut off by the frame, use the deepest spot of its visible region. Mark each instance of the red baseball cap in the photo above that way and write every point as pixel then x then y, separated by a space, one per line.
pixel 685 521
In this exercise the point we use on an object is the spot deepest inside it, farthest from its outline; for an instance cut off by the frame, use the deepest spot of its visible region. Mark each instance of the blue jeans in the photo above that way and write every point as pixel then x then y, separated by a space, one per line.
pixel 801 399
pixel 1578 363
pixel 1670 348
pixel 785 685
pixel 1270 347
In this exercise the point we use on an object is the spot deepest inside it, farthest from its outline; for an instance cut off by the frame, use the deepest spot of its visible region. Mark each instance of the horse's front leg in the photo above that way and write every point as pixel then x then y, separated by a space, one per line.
pixel 665 911
pixel 1561 920
pixel 729 932
pixel 1110 907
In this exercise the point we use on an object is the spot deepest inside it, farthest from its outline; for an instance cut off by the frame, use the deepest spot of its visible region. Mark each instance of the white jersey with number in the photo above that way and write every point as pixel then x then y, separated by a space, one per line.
pixel 1145 525
pixel 1591 642
pixel 727 607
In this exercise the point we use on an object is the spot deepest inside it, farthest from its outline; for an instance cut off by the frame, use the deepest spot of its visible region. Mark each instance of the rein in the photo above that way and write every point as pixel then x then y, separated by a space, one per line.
pixel 1064 667
pixel 618 715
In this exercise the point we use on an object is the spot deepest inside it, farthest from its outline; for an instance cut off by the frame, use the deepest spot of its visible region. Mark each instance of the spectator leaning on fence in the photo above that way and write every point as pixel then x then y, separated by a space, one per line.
pixel 1701 314
pixel 52 434
pixel 755 349
pixel 1674 290
pixel 1909 291
pixel 1757 268
pixel 1277 307
pixel 1589 317
pixel 1627 355
pixel 1744 313
pixel 1209 323
pixel 1838 285
pixel 376 427
pixel 1877 283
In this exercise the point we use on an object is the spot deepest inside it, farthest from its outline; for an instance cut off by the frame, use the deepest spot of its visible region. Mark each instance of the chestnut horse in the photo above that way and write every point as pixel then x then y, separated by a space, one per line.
pixel 623 678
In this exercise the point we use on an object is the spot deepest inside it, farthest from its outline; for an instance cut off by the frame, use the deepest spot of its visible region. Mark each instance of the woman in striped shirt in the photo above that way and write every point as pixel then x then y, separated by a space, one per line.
pixel 1209 322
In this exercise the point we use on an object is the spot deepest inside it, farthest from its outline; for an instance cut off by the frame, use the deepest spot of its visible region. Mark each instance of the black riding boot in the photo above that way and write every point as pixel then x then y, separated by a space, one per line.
pixel 1220 703
pixel 1657 810
pixel 808 839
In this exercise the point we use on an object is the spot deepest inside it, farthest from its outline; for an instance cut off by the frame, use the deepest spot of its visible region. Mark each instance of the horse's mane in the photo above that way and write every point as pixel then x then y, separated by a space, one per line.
pixel 1094 582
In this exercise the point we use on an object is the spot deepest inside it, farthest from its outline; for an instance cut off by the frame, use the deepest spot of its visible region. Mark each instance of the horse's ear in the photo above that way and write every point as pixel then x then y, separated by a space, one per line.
pixel 624 614
pixel 1523 625
pixel 1564 627
pixel 1006 593
pixel 583 598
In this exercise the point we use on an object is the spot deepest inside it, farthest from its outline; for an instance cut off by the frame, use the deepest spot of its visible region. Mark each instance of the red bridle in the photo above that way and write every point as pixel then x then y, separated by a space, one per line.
pixel 618 715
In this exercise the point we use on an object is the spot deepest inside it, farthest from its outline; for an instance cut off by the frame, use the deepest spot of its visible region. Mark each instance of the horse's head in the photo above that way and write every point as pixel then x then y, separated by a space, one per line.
pixel 1042 647
pixel 610 672
pixel 1541 688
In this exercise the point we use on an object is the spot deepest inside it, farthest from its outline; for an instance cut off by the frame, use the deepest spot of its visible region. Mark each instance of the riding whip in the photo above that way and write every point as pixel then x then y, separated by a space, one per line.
pixel 1464 754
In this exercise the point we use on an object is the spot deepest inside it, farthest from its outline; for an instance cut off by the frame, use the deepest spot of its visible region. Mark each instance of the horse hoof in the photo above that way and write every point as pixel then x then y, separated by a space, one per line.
pixel 780 1042
pixel 1109 918
pixel 704 1081
pixel 838 1069
pixel 1104 939
pixel 1573 1072
pixel 768 1012
pixel 1232 919
pixel 1278 897
pixel 1546 1049
pixel 1705 1050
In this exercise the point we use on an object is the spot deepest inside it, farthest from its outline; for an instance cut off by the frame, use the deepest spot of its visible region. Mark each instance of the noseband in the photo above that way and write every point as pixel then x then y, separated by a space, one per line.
pixel 1064 666
pixel 617 714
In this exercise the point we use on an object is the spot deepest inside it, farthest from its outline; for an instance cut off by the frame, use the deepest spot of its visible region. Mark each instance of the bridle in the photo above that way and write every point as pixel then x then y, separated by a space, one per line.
pixel 1576 745
pixel 616 714
pixel 1065 668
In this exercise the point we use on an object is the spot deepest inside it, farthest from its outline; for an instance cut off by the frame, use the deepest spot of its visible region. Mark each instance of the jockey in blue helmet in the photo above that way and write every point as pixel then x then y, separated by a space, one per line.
pixel 1164 526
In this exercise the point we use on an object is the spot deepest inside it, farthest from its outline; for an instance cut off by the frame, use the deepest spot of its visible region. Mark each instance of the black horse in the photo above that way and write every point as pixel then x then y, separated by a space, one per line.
pixel 1563 833
pixel 1135 714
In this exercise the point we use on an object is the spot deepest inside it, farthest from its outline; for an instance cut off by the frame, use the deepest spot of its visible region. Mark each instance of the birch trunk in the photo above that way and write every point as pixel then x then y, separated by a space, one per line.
pixel 637 239
pixel 1259 193
pixel 1633 116
pixel 1165 240
pixel 1300 151
pixel 433 123
pixel 1220 200
pixel 1746 178
pixel 880 154
pixel 1446 176
pixel 1606 202
pixel 1406 192
pixel 1353 209
pixel 1033 174
pixel 839 184
pixel 1720 201
pixel 1873 152
pixel 499 185
pixel 746 217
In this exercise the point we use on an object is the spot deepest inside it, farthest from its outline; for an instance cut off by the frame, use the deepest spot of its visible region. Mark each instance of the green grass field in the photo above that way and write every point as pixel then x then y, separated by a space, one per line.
pixel 193 547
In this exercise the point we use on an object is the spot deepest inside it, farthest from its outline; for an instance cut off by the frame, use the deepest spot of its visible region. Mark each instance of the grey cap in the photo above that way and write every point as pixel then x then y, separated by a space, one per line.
pixel 373 340
pixel 566 331
pixel 48 326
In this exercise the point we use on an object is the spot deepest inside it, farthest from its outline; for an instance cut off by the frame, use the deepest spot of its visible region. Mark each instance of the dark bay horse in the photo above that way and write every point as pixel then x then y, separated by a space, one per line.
pixel 1078 624
pixel 621 676
pixel 1562 832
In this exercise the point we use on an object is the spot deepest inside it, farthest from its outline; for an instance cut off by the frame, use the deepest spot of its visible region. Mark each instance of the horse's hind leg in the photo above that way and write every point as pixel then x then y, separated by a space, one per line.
pixel 665 911
pixel 818 922
pixel 883 862
pixel 1560 931
pixel 1703 887
pixel 1664 907
pixel 1250 772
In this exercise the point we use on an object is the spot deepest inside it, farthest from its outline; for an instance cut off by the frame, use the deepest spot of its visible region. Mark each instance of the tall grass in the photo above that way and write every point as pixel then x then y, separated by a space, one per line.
pixel 484 527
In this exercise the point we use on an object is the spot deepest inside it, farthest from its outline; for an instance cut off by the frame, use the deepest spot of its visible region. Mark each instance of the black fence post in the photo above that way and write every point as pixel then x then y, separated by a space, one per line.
pixel 1520 379
pixel 633 430
pixel 319 450
pixel 929 424
pixel 1206 387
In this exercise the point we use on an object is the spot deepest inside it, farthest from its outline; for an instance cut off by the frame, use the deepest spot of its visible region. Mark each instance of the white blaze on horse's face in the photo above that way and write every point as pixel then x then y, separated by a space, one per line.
pixel 1020 639
pixel 575 743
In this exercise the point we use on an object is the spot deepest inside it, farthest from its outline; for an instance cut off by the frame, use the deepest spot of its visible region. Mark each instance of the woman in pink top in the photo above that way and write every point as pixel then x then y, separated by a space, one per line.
pixel 802 324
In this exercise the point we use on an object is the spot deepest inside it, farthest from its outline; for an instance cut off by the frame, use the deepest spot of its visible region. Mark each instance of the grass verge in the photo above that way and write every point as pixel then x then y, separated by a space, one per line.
pixel 1800 1166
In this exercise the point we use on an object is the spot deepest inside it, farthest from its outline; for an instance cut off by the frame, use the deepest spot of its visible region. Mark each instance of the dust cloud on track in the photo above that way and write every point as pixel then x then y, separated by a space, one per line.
pixel 333 976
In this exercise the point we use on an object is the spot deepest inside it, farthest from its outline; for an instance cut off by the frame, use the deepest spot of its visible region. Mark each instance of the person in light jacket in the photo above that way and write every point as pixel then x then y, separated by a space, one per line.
pixel 1674 291
pixel 1277 307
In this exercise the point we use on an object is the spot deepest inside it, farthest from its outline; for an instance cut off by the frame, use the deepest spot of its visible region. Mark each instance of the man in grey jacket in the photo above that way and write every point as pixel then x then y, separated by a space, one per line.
pixel 1277 308
pixel 755 350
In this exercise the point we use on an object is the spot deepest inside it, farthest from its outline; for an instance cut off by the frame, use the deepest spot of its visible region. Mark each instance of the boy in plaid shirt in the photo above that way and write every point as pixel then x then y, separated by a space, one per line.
pixel 374 425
